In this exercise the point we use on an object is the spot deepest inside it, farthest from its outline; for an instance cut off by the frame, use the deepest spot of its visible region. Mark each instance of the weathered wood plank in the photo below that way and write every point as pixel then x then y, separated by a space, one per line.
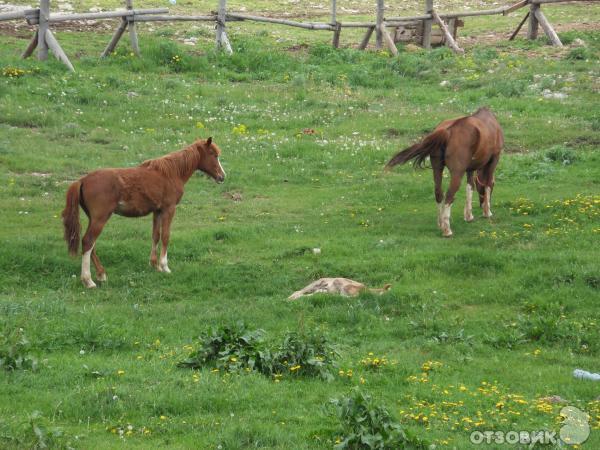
pixel 115 39
pixel 31 47
pixel 366 38
pixel 57 50
pixel 450 42
pixel 388 40
pixel 512 36
pixel 547 27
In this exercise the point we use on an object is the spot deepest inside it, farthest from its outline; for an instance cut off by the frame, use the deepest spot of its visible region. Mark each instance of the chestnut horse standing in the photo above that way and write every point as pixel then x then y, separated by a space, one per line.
pixel 468 144
pixel 155 186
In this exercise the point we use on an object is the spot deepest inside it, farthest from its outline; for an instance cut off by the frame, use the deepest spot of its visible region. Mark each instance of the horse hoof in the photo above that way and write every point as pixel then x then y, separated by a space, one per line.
pixel 469 218
pixel 447 234
pixel 102 277
pixel 89 284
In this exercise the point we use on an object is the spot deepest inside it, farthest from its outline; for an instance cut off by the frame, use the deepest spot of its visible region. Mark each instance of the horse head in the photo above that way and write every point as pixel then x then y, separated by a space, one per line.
pixel 209 160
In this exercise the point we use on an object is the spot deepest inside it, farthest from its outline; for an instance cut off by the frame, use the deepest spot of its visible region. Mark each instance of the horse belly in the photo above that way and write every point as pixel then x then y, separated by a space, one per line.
pixel 135 206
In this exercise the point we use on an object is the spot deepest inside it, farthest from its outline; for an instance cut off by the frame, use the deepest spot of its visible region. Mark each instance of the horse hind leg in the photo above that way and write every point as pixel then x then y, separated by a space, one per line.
pixel 88 242
pixel 488 176
pixel 447 206
pixel 468 212
pixel 165 218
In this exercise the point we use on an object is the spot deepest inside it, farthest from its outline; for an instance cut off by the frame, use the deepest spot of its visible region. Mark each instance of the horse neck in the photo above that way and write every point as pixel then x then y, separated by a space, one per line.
pixel 183 164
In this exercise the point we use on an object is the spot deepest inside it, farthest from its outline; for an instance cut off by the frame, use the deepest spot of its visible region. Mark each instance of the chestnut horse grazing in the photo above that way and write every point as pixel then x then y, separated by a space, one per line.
pixel 155 186
pixel 468 144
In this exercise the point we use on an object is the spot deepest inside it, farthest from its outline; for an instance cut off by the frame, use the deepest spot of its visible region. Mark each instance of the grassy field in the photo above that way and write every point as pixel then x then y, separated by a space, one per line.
pixel 475 334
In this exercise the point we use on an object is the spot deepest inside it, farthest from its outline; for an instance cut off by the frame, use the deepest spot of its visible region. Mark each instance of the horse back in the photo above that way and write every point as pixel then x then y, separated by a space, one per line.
pixel 131 192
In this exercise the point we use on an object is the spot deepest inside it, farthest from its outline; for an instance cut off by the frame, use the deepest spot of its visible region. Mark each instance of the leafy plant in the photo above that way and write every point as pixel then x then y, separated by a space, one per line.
pixel 14 351
pixel 561 154
pixel 234 348
pixel 365 425
pixel 231 348
pixel 305 355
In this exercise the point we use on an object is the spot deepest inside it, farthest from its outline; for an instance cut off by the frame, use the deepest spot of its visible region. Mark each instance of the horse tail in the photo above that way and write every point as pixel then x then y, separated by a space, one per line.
pixel 70 216
pixel 434 142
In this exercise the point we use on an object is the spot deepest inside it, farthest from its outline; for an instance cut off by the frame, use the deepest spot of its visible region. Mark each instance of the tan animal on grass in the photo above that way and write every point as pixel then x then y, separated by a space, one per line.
pixel 339 286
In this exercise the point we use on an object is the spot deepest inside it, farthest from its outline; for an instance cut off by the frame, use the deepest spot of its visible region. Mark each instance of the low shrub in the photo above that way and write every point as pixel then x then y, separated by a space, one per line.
pixel 234 348
pixel 365 425
pixel 14 351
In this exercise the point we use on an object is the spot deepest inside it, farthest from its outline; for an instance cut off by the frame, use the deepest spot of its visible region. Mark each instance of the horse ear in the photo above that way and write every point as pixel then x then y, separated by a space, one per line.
pixel 209 141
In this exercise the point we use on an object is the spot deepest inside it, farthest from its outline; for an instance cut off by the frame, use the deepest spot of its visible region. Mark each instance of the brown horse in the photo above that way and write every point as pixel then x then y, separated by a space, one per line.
pixel 155 186
pixel 468 144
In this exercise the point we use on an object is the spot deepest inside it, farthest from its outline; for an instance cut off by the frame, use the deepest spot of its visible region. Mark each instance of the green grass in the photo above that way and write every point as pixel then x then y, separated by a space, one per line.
pixel 496 317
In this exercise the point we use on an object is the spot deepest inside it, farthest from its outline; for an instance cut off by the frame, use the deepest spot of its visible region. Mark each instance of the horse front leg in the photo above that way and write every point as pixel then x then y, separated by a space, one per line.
pixel 468 212
pixel 155 239
pixel 165 219
pixel 100 271
pixel 447 206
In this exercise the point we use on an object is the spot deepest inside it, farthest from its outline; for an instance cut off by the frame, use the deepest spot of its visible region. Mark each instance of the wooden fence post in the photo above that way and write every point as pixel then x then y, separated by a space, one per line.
pixel 338 28
pixel 379 24
pixel 427 25
pixel 222 39
pixel 132 29
pixel 42 28
pixel 532 32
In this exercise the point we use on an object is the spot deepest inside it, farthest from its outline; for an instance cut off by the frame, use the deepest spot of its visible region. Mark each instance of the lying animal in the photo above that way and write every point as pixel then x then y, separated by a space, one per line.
pixel 340 286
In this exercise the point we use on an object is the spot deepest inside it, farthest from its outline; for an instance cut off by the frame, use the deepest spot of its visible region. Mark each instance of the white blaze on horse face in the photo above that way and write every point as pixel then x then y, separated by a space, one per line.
pixel 221 167
pixel 445 219
pixel 487 200
pixel 86 274
pixel 469 204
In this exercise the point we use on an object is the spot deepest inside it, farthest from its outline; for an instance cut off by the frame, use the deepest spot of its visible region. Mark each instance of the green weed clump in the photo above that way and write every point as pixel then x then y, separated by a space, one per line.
pixel 234 348
pixel 561 154
pixel 365 425
pixel 230 348
pixel 14 351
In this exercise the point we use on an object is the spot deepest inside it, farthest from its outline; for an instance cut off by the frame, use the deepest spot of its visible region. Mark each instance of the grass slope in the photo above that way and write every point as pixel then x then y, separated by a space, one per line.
pixel 476 330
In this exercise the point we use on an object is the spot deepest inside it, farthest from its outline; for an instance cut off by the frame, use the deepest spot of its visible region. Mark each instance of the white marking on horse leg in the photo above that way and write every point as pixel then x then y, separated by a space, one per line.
pixel 446 231
pixel 487 200
pixel 86 274
pixel 469 204
pixel 163 264
pixel 440 207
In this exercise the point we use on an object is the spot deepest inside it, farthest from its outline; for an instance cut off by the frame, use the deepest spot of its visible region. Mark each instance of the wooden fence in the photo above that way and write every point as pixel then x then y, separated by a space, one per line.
pixel 448 22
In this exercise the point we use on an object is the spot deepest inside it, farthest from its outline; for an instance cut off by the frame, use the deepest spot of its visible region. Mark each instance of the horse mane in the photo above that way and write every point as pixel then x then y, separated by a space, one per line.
pixel 179 164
